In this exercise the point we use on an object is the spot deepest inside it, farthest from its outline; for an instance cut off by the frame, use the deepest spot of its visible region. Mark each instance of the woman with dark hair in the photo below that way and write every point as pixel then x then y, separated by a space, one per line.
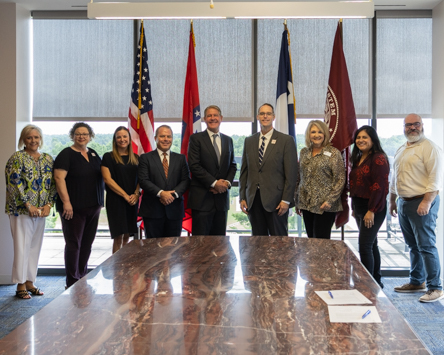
pixel 119 171
pixel 322 179
pixel 80 187
pixel 30 194
pixel 368 189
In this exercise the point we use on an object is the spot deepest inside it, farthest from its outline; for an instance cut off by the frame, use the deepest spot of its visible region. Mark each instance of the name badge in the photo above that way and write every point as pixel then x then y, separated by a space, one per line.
pixel 93 154
pixel 328 154
pixel 273 141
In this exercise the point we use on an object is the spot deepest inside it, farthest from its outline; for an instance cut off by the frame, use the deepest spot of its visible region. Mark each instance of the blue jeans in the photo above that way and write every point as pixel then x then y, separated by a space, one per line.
pixel 419 235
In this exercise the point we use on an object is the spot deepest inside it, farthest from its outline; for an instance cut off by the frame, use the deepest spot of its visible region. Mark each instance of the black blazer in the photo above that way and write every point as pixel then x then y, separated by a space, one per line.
pixel 205 170
pixel 152 179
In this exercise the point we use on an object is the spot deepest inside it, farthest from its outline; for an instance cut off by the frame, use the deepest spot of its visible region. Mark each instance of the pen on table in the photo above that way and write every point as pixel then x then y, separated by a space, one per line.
pixel 366 314
pixel 331 295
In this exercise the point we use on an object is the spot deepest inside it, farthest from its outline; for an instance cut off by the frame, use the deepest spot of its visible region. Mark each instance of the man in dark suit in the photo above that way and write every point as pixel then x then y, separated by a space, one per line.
pixel 268 177
pixel 164 177
pixel 212 166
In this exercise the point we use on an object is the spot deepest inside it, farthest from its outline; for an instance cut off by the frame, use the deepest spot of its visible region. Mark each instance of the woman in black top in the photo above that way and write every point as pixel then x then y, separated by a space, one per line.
pixel 119 170
pixel 80 187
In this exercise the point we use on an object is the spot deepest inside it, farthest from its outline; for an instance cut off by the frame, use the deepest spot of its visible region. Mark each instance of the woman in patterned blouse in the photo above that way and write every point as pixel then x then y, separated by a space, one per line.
pixel 368 189
pixel 322 179
pixel 30 194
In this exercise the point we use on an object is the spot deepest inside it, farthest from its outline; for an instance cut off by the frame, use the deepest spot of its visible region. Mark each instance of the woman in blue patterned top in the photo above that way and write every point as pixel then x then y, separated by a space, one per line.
pixel 30 194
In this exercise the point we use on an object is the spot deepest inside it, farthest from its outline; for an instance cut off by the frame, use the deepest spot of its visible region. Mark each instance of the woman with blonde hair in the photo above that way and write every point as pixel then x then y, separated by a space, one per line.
pixel 321 181
pixel 119 171
pixel 30 194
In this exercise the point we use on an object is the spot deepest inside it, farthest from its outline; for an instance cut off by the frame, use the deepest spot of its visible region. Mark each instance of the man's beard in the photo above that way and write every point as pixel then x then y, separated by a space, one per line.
pixel 414 138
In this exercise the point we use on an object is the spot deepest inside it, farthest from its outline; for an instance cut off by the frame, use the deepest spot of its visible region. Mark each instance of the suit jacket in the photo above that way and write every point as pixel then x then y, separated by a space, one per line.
pixel 205 170
pixel 276 176
pixel 152 179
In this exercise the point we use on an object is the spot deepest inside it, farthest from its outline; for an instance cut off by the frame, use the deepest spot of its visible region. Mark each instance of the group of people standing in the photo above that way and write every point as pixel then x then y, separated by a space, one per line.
pixel 269 185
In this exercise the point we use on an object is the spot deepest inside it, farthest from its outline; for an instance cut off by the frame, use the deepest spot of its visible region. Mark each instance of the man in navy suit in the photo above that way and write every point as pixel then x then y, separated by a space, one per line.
pixel 212 166
pixel 164 177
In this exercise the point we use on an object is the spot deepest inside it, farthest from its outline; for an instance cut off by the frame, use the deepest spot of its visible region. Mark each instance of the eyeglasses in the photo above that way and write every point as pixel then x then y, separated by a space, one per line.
pixel 414 124
pixel 81 134
pixel 262 114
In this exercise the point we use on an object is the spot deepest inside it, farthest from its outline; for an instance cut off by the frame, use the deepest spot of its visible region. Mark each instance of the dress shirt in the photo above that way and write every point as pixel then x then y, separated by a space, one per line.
pixel 219 145
pixel 218 141
pixel 417 169
pixel 267 135
pixel 160 152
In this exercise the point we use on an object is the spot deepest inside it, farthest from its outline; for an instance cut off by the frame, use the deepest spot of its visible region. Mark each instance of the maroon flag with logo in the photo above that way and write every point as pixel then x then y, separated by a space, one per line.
pixel 339 114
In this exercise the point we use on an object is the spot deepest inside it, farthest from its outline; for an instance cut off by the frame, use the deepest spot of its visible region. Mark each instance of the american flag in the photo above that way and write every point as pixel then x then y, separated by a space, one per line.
pixel 140 116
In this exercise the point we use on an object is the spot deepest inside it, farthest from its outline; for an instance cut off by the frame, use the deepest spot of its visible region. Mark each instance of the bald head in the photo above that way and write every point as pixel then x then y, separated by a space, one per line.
pixel 412 117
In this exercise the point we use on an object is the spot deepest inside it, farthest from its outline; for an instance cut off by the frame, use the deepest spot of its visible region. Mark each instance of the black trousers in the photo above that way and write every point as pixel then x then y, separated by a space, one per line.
pixel 318 225
pixel 79 233
pixel 162 227
pixel 264 222
pixel 211 222
pixel 368 237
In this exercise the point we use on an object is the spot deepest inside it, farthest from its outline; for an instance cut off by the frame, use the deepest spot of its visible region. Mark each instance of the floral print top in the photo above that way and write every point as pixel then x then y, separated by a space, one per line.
pixel 322 179
pixel 30 181
pixel 370 180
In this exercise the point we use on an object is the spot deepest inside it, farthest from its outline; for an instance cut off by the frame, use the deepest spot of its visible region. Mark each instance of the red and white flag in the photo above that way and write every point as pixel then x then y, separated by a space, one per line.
pixel 140 116
pixel 191 117
pixel 339 114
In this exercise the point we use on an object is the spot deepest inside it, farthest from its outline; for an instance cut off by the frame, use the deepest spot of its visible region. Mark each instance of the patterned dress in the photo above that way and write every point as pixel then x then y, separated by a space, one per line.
pixel 30 181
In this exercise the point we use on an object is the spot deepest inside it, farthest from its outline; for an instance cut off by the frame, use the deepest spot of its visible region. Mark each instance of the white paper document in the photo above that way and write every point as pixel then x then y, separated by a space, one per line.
pixel 353 314
pixel 336 297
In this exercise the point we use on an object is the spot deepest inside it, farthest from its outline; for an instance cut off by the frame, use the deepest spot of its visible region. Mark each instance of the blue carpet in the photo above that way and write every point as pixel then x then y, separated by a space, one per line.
pixel 426 319
pixel 14 311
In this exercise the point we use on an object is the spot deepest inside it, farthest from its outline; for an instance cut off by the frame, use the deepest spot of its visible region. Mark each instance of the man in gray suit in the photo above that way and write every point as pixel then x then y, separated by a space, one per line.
pixel 268 177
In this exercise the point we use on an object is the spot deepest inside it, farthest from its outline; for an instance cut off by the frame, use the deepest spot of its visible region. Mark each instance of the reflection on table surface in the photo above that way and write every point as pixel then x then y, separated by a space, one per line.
pixel 214 295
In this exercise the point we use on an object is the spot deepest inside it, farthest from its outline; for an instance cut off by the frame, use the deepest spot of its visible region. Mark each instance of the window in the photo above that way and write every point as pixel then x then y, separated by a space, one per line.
pixel 404 66
pixel 82 69
pixel 311 48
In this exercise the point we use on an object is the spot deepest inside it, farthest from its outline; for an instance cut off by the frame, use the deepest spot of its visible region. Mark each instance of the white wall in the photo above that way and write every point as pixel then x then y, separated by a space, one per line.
pixel 438 107
pixel 15 105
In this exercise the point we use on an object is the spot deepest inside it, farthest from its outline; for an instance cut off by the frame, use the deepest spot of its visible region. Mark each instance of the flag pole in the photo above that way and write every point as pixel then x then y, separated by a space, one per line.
pixel 140 75
pixel 291 66
pixel 342 40
pixel 192 34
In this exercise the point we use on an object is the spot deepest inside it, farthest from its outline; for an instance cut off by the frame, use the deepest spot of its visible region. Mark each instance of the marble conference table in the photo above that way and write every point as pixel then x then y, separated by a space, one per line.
pixel 215 295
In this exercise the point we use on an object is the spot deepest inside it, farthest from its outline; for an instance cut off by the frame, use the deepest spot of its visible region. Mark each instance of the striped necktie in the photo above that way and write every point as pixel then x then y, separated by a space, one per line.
pixel 261 150
pixel 165 164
